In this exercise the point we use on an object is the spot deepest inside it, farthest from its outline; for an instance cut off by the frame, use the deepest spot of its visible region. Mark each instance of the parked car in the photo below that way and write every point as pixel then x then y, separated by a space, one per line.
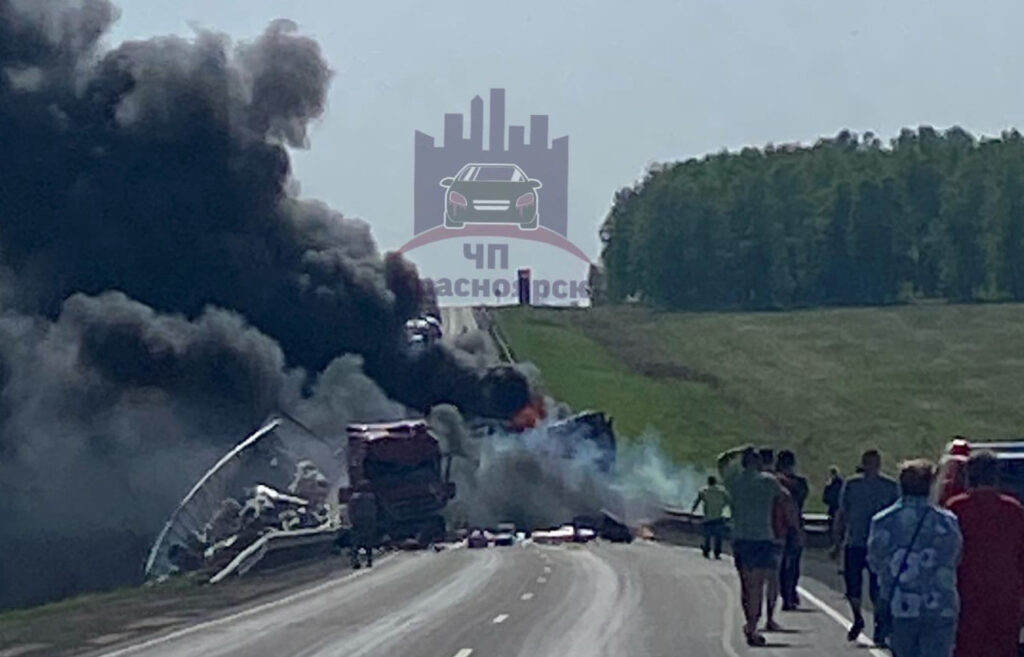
pixel 505 534
pixel 478 538
pixel 953 466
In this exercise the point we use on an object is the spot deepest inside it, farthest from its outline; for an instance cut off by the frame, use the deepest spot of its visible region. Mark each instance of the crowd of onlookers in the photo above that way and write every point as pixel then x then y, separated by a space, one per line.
pixel 943 580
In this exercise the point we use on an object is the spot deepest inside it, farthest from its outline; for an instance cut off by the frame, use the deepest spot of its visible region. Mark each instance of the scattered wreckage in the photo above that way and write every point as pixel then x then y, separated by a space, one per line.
pixel 226 524
pixel 582 529
pixel 588 434
pixel 276 481
pixel 284 487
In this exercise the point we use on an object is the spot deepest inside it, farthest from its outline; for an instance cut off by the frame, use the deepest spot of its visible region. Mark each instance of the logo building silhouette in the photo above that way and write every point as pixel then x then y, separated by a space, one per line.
pixel 461 182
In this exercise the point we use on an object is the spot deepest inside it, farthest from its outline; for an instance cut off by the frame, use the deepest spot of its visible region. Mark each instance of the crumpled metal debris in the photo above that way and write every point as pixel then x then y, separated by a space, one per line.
pixel 311 484
pixel 236 525
pixel 225 522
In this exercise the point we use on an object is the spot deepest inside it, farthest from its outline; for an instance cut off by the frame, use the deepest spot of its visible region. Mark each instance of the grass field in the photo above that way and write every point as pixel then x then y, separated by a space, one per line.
pixel 826 383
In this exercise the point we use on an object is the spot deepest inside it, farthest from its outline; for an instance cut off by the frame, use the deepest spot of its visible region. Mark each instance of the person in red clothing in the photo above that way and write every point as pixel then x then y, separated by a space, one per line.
pixel 990 578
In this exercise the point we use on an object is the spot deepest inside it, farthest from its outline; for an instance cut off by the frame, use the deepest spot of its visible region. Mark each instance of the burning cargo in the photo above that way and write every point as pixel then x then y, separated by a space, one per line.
pixel 277 479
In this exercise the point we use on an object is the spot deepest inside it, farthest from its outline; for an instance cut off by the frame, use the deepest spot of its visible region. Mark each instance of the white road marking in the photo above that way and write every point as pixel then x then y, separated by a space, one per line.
pixel 815 600
pixel 500 618
pixel 841 620
pixel 526 596
pixel 728 619
pixel 542 580
pixel 465 652
pixel 547 569
pixel 231 618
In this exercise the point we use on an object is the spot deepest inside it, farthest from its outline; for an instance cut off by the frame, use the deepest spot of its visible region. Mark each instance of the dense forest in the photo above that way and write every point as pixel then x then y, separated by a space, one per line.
pixel 849 220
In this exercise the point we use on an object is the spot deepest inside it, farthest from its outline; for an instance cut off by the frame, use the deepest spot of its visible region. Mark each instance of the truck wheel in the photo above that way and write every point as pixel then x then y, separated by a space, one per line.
pixel 434 530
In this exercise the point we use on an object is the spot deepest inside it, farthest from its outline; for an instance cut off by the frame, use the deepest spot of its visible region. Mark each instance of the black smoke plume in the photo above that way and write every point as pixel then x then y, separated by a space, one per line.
pixel 162 289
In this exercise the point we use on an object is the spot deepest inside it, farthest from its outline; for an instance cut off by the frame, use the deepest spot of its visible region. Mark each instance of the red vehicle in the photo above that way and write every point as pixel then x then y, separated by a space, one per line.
pixel 953 466
pixel 402 462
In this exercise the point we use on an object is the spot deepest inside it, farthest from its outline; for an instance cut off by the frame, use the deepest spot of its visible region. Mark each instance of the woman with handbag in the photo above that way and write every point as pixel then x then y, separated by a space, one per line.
pixel 914 547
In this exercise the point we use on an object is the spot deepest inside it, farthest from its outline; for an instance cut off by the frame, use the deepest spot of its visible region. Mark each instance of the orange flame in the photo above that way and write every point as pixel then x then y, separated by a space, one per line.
pixel 529 415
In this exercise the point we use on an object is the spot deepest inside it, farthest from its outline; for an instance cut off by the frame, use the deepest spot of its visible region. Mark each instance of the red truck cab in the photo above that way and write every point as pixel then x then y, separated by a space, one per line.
pixel 953 466
pixel 403 465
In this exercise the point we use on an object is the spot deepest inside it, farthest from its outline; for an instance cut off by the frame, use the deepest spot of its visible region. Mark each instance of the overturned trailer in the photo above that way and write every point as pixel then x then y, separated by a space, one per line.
pixel 402 464
pixel 242 498
pixel 588 435
pixel 589 432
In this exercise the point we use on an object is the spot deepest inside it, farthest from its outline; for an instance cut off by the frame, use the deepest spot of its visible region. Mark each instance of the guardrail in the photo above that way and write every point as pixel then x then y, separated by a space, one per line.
pixel 487 322
pixel 815 524
pixel 280 547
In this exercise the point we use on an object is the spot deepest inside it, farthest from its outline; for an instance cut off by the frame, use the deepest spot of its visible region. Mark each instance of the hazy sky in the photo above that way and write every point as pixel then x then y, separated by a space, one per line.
pixel 629 82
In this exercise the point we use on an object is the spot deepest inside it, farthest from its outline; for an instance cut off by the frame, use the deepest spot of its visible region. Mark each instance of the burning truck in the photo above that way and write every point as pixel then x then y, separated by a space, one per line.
pixel 403 465
pixel 587 432
pixel 279 481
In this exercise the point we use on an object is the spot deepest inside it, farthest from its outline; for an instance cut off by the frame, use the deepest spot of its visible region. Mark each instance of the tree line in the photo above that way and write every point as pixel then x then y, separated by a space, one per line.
pixel 849 220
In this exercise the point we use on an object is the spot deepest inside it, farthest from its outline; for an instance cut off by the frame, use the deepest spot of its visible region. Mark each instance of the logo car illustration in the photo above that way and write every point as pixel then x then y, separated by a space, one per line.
pixel 491 194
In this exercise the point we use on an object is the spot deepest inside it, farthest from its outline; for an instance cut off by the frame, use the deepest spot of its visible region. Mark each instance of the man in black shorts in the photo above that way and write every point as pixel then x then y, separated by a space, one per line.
pixel 863 495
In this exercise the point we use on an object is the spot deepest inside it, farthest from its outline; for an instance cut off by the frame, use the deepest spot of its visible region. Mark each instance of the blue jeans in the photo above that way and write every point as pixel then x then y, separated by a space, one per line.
pixel 923 637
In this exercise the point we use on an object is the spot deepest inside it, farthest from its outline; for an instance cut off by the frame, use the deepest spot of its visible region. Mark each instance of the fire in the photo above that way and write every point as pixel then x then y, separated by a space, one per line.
pixel 529 415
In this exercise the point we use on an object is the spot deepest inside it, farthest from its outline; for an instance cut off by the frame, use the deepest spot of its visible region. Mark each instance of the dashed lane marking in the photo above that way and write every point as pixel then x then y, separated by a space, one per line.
pixel 499 619
pixel 841 620
pixel 542 580
pixel 465 652
pixel 547 569
pixel 526 596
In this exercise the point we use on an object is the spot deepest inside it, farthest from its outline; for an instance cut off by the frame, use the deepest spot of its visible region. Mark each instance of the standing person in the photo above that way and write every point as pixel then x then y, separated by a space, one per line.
pixel 714 498
pixel 863 495
pixel 830 496
pixel 362 513
pixel 793 545
pixel 990 578
pixel 914 546
pixel 783 520
pixel 752 495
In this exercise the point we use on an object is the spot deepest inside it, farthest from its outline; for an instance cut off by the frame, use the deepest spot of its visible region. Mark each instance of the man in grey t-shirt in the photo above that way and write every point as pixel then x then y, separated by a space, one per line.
pixel 863 496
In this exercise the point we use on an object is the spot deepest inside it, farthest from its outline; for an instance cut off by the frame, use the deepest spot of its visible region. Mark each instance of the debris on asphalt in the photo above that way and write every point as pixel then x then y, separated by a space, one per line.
pixel 614 529
pixel 564 534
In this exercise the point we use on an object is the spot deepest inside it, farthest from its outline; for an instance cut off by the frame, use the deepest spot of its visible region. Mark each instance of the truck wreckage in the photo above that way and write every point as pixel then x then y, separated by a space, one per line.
pixel 587 434
pixel 402 463
pixel 284 485
pixel 276 481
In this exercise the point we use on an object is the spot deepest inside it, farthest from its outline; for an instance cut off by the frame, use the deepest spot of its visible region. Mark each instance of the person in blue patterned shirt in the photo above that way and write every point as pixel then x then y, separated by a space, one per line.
pixel 914 547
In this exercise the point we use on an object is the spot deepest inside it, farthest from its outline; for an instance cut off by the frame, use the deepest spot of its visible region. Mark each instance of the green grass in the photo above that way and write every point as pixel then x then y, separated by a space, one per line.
pixel 827 383
pixel 93 600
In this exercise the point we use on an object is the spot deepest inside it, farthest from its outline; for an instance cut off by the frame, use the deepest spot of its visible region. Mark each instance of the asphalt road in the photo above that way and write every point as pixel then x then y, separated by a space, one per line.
pixel 644 599
pixel 456 320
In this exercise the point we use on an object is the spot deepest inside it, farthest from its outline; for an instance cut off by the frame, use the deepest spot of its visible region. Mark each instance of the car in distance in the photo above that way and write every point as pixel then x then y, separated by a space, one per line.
pixel 491 194
pixel 478 538
pixel 505 534
pixel 953 466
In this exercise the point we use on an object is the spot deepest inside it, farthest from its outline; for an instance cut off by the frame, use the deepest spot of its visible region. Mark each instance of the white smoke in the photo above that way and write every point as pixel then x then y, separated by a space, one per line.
pixel 515 477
